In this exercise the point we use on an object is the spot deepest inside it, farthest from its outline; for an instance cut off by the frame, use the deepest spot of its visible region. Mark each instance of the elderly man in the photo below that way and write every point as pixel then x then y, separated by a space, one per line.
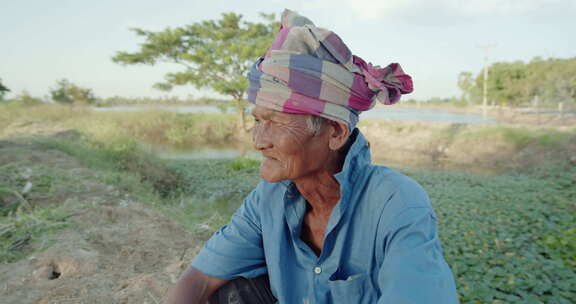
pixel 324 225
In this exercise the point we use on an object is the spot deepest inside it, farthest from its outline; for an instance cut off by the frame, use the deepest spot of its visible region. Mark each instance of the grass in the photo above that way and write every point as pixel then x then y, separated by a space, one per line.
pixel 521 137
pixel 200 203
pixel 29 218
pixel 189 130
pixel 161 127
pixel 119 157
pixel 176 129
pixel 19 230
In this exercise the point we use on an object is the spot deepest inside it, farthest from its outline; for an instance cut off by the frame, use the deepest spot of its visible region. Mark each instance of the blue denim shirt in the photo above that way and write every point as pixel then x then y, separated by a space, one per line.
pixel 380 246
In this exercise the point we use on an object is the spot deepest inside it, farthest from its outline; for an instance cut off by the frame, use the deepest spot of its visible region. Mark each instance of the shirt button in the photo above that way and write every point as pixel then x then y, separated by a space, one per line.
pixel 317 270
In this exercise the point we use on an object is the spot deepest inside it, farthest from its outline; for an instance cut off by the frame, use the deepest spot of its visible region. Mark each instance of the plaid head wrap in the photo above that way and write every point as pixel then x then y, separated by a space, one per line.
pixel 309 70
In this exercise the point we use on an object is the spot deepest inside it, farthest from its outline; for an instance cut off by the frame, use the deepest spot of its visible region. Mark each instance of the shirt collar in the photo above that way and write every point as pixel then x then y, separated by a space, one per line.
pixel 358 155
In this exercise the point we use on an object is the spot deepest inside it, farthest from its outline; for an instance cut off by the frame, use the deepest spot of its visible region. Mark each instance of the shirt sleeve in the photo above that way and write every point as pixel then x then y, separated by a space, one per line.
pixel 414 270
pixel 236 249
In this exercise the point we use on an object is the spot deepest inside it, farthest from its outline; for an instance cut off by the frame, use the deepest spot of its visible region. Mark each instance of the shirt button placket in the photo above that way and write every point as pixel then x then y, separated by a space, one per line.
pixel 317 270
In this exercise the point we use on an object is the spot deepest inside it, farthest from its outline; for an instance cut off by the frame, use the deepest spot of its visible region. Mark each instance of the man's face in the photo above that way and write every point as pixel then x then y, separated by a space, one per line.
pixel 291 151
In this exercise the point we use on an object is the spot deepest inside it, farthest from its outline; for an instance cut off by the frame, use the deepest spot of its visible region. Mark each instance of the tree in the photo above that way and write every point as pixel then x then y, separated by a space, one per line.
pixel 561 83
pixel 3 90
pixel 69 93
pixel 215 54
pixel 466 84
pixel 25 99
pixel 517 83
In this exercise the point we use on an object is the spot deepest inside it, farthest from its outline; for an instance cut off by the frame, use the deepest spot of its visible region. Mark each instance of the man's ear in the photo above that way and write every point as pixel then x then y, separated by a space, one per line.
pixel 338 134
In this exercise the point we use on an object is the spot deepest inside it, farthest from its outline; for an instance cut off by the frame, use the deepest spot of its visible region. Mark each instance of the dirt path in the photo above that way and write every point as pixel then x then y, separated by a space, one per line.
pixel 115 250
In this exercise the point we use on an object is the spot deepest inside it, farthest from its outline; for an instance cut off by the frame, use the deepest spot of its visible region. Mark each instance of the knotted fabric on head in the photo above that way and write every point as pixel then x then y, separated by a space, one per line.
pixel 309 70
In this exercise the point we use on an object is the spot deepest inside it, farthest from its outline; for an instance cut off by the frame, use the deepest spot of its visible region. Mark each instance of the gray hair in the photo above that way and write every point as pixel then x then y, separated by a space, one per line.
pixel 315 124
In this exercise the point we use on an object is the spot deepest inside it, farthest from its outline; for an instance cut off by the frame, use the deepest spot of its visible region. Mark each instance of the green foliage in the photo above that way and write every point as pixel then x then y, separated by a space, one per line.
pixel 42 116
pixel 142 101
pixel 518 83
pixel 437 101
pixel 212 191
pixel 27 188
pixel 562 244
pixel 492 229
pixel 66 92
pixel 218 179
pixel 215 54
pixel 3 90
pixel 18 231
pixel 26 99
pixel 161 127
pixel 29 217
pixel 465 83
pixel 121 155
pixel 243 163
pixel 156 127
pixel 522 137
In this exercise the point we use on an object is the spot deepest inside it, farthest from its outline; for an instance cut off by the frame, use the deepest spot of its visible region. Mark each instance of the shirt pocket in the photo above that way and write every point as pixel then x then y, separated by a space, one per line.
pixel 349 290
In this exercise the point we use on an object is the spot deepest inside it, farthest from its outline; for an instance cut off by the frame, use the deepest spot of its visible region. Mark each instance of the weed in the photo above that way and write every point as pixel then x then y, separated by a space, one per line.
pixel 243 163
pixel 521 137
pixel 20 231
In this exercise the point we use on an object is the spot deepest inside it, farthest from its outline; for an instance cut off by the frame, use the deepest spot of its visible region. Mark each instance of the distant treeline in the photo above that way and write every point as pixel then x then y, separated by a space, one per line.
pixel 546 81
pixel 66 92
pixel 119 100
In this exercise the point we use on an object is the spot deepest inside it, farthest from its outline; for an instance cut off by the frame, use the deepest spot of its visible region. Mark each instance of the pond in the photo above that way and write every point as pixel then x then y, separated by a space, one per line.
pixel 412 161
pixel 229 152
pixel 167 152
pixel 427 115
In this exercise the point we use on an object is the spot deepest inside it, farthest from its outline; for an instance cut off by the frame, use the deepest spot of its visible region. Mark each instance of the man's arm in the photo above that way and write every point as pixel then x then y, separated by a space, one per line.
pixel 236 250
pixel 194 287
pixel 414 270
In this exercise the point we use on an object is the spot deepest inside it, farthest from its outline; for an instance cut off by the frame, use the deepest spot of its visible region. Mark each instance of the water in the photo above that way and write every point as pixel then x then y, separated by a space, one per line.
pixel 171 153
pixel 417 161
pixel 427 115
pixel 179 109
pixel 166 152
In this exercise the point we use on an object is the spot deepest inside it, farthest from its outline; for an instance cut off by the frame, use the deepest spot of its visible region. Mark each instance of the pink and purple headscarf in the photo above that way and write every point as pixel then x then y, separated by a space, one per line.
pixel 309 70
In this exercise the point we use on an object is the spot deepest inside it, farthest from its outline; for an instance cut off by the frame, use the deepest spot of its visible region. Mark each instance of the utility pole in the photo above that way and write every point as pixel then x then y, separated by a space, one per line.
pixel 486 49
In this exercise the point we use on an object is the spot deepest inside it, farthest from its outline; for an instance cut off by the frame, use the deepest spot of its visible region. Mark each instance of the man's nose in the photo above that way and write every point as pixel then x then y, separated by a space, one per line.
pixel 261 138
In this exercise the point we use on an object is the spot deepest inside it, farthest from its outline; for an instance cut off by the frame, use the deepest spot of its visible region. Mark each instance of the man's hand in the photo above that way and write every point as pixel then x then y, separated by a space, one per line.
pixel 194 287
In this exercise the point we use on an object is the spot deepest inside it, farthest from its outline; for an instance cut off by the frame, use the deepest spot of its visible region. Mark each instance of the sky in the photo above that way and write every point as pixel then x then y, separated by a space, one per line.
pixel 433 40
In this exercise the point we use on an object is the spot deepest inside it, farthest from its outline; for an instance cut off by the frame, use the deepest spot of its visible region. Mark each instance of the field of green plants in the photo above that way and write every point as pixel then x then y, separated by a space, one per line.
pixel 509 238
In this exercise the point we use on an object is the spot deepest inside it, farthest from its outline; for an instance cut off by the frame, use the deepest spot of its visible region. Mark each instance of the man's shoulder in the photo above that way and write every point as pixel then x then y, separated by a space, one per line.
pixel 266 192
pixel 392 186
pixel 265 187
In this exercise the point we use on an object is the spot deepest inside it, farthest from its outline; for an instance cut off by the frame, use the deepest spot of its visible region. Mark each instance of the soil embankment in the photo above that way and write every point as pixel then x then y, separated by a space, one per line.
pixel 468 148
pixel 113 249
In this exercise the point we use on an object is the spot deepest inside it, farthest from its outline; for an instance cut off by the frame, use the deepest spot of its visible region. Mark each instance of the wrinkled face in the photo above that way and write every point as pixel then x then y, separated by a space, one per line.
pixel 291 151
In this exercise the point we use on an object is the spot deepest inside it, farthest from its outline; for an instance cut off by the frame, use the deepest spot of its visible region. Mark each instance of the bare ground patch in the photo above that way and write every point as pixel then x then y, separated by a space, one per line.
pixel 114 250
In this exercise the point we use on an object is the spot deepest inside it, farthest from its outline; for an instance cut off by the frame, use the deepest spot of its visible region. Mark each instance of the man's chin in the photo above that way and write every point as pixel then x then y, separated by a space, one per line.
pixel 270 176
